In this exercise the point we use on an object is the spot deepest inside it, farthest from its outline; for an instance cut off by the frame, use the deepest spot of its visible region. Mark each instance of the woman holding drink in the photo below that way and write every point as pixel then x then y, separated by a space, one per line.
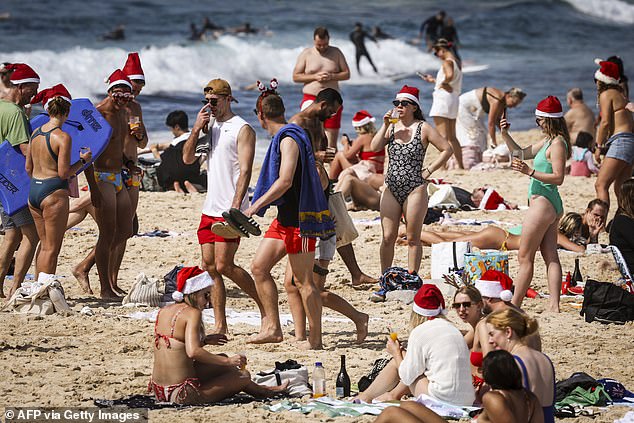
pixel 48 165
pixel 539 228
pixel 406 178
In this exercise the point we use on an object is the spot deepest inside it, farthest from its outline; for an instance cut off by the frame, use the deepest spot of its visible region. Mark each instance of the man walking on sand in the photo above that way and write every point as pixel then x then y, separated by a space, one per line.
pixel 229 164
pixel 289 180
pixel 319 67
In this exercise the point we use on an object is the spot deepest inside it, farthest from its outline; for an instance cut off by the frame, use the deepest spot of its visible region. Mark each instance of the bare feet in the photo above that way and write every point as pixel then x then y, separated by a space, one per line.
pixel 363 279
pixel 120 292
pixel 362 327
pixel 109 295
pixel 266 338
pixel 82 278
pixel 306 345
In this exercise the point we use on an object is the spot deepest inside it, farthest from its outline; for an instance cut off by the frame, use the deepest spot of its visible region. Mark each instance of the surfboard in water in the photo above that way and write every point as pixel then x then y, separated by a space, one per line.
pixel 86 127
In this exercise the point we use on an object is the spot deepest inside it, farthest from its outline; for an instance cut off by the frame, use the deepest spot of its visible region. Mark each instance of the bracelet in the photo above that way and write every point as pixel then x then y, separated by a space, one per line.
pixel 532 173
pixel 428 171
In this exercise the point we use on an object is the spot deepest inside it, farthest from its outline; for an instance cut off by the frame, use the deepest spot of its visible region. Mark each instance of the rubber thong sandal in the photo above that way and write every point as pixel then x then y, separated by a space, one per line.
pixel 235 225
pixel 250 225
pixel 225 230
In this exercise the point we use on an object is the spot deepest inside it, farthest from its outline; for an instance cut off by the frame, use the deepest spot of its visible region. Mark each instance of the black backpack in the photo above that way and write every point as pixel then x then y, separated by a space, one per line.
pixel 607 303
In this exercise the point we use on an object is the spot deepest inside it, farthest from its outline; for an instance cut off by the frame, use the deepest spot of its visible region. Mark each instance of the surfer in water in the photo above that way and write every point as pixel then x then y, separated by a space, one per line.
pixel 358 37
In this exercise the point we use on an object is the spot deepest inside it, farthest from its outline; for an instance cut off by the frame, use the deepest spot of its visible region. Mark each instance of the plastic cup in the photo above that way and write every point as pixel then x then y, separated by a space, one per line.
pixel 134 122
pixel 394 117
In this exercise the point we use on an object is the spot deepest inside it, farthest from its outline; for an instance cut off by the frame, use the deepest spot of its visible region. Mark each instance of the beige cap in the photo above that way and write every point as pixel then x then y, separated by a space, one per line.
pixel 219 87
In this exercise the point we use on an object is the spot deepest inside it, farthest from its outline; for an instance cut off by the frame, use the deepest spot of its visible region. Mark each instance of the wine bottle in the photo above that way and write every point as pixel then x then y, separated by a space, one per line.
pixel 343 380
pixel 576 275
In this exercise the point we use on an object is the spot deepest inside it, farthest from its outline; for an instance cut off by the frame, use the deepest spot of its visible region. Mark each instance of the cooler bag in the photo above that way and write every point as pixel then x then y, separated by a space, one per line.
pixel 476 264
pixel 447 257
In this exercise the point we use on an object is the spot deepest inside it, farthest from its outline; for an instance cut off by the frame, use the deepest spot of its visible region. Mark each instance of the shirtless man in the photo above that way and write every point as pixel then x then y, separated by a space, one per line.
pixel 228 174
pixel 319 67
pixel 287 234
pixel 5 80
pixel 114 216
pixel 21 86
pixel 580 117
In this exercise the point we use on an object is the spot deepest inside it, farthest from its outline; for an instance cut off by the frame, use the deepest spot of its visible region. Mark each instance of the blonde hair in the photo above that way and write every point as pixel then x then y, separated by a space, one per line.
pixel 554 127
pixel 368 128
pixel 416 319
pixel 517 93
pixel 570 225
pixel 521 324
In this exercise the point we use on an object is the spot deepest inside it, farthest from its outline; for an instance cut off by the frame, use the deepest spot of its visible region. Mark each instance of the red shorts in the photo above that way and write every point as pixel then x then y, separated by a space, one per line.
pixel 293 242
pixel 333 122
pixel 206 236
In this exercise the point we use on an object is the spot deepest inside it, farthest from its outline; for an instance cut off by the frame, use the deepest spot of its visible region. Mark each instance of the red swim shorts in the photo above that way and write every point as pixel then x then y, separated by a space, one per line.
pixel 205 234
pixel 333 122
pixel 293 242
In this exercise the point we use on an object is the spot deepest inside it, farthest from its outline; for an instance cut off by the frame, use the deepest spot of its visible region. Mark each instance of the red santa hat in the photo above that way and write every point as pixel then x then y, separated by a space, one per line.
pixel 549 107
pixel 495 284
pixel 608 73
pixel 429 301
pixel 190 280
pixel 117 78
pixel 361 118
pixel 132 68
pixel 492 200
pixel 409 93
pixel 46 95
pixel 22 74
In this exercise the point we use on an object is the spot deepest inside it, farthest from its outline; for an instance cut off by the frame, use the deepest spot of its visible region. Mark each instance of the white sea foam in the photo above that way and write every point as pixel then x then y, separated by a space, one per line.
pixel 186 68
pixel 612 10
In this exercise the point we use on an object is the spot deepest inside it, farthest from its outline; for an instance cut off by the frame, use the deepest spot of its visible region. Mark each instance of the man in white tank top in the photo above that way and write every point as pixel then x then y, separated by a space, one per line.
pixel 231 152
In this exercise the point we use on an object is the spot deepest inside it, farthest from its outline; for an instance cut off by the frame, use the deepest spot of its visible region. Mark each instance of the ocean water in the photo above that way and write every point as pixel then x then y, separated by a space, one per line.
pixel 543 46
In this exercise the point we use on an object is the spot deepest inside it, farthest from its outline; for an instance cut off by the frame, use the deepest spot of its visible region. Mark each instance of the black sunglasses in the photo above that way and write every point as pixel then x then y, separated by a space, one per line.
pixel 210 101
pixel 466 304
pixel 403 103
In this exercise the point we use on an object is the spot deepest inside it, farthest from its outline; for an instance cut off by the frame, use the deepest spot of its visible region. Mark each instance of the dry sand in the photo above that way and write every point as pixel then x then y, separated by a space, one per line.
pixel 69 361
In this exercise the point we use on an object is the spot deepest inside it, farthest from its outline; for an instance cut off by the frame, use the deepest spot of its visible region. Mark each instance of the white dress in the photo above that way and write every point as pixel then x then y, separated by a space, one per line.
pixel 471 125
pixel 445 104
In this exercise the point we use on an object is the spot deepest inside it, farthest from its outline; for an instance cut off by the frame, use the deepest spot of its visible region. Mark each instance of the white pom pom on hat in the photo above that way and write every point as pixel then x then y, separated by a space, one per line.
pixel 495 284
pixel 177 296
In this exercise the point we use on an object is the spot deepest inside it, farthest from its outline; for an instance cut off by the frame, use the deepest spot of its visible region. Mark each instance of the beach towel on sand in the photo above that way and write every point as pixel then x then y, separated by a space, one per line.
pixel 315 220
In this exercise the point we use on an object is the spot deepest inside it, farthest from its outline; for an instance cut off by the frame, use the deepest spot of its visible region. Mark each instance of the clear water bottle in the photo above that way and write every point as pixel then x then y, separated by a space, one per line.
pixel 319 380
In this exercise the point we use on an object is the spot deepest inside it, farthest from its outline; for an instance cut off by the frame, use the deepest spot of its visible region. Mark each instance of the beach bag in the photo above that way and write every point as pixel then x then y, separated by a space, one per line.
pixel 344 226
pixel 607 303
pixel 396 278
pixel 145 292
pixel 38 299
pixel 170 284
pixel 476 263
pixel 366 381
pixel 295 373
pixel 448 257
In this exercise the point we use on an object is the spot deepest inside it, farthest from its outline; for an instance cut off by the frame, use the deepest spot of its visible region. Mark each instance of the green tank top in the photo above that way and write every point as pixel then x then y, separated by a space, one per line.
pixel 549 191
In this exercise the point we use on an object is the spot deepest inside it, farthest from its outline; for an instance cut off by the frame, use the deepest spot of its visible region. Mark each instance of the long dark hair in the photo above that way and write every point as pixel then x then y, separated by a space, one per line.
pixel 500 371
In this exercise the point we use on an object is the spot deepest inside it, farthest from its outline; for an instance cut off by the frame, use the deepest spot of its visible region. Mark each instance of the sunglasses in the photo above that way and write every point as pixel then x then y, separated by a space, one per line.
pixel 403 103
pixel 122 96
pixel 539 121
pixel 466 304
pixel 210 101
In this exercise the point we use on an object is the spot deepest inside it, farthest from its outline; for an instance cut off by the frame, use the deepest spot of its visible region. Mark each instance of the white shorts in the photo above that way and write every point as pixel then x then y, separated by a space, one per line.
pixel 444 104
pixel 325 249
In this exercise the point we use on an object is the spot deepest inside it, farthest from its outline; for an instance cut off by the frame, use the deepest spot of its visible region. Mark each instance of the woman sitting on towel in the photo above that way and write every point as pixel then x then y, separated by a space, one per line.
pixel 184 372
pixel 437 358
pixel 48 164
pixel 507 401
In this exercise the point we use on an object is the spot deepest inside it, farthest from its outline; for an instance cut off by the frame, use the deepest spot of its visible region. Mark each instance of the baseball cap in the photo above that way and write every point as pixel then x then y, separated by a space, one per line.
pixel 220 87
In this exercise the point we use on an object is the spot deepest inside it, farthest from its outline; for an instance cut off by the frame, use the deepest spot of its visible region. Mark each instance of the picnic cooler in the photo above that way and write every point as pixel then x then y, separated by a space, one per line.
pixel 476 263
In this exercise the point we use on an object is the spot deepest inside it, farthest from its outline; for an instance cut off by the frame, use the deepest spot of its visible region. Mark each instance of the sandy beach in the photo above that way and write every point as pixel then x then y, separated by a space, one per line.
pixel 70 361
